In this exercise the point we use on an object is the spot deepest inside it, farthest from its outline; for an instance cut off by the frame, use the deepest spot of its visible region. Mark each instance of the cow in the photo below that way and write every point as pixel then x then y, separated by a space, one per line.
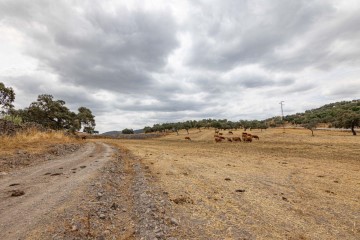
pixel 236 139
pixel 188 138
pixel 217 139
pixel 230 132
pixel 256 136
pixel 83 137
pixel 247 139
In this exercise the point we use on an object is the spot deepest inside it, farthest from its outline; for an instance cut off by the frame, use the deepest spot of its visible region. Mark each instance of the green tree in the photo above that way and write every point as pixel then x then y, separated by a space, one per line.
pixel 86 119
pixel 311 125
pixel 348 119
pixel 127 131
pixel 7 97
pixel 50 113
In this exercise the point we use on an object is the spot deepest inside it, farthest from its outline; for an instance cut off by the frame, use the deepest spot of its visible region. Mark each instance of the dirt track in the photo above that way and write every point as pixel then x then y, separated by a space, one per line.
pixel 46 186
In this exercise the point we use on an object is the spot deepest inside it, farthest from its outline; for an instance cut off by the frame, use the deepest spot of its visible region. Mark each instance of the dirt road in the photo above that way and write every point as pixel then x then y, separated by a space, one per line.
pixel 46 186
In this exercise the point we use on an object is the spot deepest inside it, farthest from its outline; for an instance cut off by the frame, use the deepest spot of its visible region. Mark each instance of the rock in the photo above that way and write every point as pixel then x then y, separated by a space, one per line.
pixel 240 190
pixel 102 216
pixel 99 194
pixel 173 221
pixel 17 193
pixel 56 174
pixel 14 184
pixel 114 206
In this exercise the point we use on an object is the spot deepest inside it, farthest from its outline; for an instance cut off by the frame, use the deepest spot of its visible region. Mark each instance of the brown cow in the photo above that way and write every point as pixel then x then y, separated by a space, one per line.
pixel 218 139
pixel 256 136
pixel 187 138
pixel 236 139
pixel 247 139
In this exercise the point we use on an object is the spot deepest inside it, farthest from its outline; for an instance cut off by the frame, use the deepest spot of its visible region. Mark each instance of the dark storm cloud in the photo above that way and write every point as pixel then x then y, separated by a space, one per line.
pixel 115 50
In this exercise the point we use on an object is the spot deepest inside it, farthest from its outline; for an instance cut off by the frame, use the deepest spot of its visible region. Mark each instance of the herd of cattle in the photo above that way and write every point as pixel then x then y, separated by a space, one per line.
pixel 218 137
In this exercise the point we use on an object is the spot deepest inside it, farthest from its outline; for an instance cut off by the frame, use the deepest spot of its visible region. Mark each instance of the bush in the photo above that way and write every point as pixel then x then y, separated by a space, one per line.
pixel 127 131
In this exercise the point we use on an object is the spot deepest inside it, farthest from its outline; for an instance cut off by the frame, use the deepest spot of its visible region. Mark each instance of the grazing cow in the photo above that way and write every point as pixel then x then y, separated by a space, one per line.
pixel 256 136
pixel 220 133
pixel 236 139
pixel 229 139
pixel 230 132
pixel 247 139
pixel 218 139
pixel 188 138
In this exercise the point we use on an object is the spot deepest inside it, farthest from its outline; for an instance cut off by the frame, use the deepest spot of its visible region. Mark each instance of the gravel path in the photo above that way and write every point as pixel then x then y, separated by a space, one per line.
pixel 30 196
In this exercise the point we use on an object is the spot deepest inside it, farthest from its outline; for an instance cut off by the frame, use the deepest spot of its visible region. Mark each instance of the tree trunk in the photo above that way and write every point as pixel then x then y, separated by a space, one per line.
pixel 352 129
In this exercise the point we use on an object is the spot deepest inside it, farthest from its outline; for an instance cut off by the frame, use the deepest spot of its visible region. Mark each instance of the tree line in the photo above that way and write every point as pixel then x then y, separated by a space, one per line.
pixel 46 111
pixel 344 114
pixel 206 123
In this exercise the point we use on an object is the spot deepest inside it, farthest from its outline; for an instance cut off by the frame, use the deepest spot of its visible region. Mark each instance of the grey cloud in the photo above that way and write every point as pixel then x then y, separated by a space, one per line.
pixel 255 32
pixel 116 51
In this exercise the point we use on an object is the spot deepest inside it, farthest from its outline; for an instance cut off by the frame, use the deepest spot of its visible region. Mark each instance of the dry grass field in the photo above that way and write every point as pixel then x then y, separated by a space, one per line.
pixel 33 141
pixel 284 186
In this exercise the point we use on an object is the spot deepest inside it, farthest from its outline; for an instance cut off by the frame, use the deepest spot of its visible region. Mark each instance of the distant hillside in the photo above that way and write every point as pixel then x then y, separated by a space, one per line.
pixel 332 113
pixel 117 133
pixel 345 114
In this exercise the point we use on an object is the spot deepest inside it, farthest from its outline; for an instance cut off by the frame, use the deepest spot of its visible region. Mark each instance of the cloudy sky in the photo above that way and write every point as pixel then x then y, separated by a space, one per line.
pixel 136 63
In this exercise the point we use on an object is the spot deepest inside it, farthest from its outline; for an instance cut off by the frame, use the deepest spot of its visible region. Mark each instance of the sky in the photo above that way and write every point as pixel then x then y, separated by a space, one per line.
pixel 137 63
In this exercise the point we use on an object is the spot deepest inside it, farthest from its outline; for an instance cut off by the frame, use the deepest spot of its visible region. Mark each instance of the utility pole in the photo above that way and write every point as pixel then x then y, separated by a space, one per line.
pixel 282 115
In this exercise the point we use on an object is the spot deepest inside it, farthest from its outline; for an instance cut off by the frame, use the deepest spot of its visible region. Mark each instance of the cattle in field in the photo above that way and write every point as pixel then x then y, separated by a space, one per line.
pixel 247 139
pixel 188 138
pixel 229 139
pixel 236 139
pixel 217 139
pixel 256 137
pixel 230 132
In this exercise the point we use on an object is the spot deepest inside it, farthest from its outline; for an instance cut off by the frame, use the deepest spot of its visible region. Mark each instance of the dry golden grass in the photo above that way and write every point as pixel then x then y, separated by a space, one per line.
pixel 33 141
pixel 296 186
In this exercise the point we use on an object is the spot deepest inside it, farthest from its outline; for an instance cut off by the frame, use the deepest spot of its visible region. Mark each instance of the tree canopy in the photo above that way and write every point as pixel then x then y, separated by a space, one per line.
pixel 7 97
pixel 53 114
